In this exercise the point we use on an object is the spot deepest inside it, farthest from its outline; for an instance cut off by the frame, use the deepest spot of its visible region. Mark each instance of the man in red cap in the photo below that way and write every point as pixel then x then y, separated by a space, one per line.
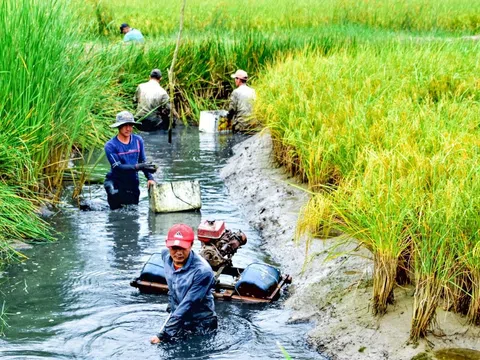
pixel 190 282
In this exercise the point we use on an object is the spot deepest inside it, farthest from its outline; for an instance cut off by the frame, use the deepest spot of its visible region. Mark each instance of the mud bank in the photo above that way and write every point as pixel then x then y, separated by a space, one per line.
pixel 334 293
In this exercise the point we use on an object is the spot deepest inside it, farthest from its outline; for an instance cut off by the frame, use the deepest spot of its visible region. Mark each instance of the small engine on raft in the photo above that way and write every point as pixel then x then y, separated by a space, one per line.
pixel 258 282
pixel 218 243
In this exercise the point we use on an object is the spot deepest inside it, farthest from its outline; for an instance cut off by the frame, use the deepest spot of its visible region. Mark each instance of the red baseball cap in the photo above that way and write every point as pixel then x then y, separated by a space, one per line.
pixel 180 235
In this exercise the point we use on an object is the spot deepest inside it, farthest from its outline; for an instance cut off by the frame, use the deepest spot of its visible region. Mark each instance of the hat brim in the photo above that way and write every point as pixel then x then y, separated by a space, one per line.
pixel 117 124
pixel 180 243
pixel 234 76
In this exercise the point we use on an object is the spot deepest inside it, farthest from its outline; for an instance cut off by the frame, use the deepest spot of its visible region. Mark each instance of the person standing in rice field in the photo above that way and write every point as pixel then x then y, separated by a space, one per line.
pixel 241 103
pixel 131 34
pixel 153 104
pixel 126 155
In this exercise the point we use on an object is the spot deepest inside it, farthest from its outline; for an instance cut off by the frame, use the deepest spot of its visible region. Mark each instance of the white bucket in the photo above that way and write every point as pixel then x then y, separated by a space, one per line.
pixel 209 120
pixel 175 196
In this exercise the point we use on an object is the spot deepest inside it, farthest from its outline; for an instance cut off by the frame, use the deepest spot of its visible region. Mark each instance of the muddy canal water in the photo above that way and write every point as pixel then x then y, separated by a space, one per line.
pixel 72 298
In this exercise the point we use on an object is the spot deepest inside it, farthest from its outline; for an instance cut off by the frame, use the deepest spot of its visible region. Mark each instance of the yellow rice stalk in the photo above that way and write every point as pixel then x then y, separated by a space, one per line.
pixel 474 308
pixel 427 296
pixel 457 295
pixel 383 282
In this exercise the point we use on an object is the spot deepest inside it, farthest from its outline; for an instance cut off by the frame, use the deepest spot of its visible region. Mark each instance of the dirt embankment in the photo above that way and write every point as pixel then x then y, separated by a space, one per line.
pixel 334 293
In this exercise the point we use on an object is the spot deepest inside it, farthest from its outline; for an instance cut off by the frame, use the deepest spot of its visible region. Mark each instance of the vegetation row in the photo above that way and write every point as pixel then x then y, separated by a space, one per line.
pixel 387 139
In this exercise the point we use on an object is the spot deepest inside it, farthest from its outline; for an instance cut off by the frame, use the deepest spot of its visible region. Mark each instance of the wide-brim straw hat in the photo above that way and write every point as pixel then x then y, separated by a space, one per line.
pixel 124 118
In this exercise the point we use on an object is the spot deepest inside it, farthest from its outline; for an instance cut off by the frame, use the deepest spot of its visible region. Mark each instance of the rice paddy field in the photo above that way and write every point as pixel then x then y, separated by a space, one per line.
pixel 373 103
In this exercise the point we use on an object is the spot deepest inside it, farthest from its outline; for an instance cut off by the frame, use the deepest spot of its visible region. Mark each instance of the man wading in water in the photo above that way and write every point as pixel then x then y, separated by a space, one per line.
pixel 153 110
pixel 126 155
pixel 190 282
pixel 241 103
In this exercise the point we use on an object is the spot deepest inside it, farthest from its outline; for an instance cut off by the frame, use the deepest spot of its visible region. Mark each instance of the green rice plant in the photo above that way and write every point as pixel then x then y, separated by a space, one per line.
pixel 385 134
pixel 316 218
pixel 434 267
pixel 19 221
pixel 204 65
pixel 56 95
pixel 441 226
pixel 339 103
pixel 273 16
pixel 467 245
pixel 457 294
pixel 474 308
pixel 51 86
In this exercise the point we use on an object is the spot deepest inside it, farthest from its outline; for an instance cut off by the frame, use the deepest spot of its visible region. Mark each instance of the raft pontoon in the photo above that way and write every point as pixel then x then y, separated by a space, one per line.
pixel 257 282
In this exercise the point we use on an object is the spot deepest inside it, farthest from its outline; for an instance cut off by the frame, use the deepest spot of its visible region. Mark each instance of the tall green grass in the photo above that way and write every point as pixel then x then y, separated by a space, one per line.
pixel 204 65
pixel 54 98
pixel 3 319
pixel 387 138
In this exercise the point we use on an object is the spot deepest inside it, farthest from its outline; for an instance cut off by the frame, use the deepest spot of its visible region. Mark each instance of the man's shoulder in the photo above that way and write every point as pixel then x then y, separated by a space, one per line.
pixel 136 137
pixel 202 265
pixel 163 91
pixel 133 34
pixel 142 85
pixel 111 143
pixel 245 89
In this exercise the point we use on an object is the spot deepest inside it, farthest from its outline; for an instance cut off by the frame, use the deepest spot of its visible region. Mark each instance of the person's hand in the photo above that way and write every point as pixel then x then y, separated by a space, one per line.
pixel 109 188
pixel 148 167
pixel 155 340
pixel 150 183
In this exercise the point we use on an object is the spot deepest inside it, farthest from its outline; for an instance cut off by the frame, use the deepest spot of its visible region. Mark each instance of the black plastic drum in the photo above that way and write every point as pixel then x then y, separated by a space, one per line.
pixel 153 270
pixel 258 280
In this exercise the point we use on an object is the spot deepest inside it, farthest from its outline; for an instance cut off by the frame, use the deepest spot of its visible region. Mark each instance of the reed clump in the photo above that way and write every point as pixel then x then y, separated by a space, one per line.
pixel 54 98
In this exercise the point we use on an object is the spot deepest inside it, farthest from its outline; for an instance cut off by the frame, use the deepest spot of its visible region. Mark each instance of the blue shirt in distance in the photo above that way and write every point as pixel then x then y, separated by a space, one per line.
pixel 134 35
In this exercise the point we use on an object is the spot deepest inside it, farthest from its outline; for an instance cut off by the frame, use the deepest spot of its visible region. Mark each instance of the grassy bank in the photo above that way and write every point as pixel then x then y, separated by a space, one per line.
pixel 53 97
pixel 387 138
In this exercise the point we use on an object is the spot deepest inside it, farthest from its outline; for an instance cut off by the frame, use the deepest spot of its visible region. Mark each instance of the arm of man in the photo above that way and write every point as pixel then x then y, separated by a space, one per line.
pixel 233 106
pixel 164 106
pixel 141 159
pixel 202 283
pixel 136 96
pixel 114 160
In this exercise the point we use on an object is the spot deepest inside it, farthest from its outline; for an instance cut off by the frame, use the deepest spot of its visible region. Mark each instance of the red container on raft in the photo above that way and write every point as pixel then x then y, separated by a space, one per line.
pixel 210 230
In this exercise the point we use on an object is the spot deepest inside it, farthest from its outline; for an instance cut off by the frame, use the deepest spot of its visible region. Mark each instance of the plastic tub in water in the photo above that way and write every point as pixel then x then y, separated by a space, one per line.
pixel 258 280
pixel 210 121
